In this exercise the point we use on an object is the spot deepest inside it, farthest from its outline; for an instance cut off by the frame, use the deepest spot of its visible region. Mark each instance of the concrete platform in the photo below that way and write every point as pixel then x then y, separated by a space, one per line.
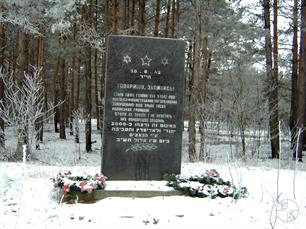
pixel 130 189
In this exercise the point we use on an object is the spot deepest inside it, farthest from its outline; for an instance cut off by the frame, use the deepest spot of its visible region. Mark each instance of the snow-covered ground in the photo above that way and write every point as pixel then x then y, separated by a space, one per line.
pixel 28 200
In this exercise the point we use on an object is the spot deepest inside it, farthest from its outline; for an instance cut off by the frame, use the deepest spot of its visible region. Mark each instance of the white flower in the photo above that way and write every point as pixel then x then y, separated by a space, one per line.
pixel 209 190
pixel 195 185
pixel 184 185
pixel 225 190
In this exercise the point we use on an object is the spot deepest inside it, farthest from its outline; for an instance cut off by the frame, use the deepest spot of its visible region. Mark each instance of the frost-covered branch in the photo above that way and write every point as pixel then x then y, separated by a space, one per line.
pixel 90 35
pixel 24 105
pixel 24 100
pixel 22 22
pixel 78 115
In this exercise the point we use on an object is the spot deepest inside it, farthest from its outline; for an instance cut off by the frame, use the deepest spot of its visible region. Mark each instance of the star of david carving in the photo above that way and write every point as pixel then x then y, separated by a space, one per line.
pixel 127 59
pixel 146 61
pixel 165 61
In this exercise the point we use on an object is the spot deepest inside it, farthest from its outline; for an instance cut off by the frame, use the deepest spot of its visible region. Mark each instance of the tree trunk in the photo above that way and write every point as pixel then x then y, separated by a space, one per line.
pixel 106 32
pixel 114 17
pixel 88 77
pixel 56 95
pixel 97 100
pixel 189 69
pixel 69 95
pixel 157 19
pixel 167 18
pixel 302 80
pixel 275 137
pixel 177 17
pixel 173 15
pixel 128 13
pixel 193 100
pixel 40 65
pixel 142 18
pixel 2 47
pixel 22 63
pixel 78 84
pixel 272 85
pixel 96 81
pixel 203 76
pixel 13 59
pixel 33 58
pixel 132 17
pixel 188 92
pixel 304 131
pixel 203 94
pixel 62 92
pixel 243 143
pixel 77 100
pixel 294 79
pixel 72 79
pixel 23 57
pixel 122 15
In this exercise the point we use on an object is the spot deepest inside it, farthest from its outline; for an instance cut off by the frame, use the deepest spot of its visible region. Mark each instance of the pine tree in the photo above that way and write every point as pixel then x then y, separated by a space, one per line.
pixel 2 68
pixel 157 19
pixel 302 81
pixel 40 65
pixel 272 83
pixel 294 79
pixel 62 87
pixel 88 80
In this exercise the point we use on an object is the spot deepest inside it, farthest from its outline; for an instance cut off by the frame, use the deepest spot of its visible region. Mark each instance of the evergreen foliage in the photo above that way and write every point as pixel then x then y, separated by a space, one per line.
pixel 225 38
pixel 209 184
pixel 73 184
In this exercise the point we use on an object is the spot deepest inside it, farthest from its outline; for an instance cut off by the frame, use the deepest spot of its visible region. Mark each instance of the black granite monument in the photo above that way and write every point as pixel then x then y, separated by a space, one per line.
pixel 143 119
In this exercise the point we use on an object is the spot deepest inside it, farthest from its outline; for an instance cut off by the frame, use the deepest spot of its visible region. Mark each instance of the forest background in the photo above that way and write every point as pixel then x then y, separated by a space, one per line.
pixel 244 73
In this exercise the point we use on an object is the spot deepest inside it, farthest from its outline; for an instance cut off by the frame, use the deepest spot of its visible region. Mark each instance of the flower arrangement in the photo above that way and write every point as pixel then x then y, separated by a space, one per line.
pixel 210 184
pixel 72 184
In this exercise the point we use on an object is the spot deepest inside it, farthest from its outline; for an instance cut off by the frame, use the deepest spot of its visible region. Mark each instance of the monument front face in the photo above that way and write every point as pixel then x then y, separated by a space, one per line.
pixel 143 119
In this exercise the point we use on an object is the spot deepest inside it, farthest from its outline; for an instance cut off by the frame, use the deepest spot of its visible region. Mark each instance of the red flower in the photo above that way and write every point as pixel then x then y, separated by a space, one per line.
pixel 101 178
pixel 90 188
pixel 85 187
pixel 67 173
pixel 66 188
pixel 83 184
pixel 212 173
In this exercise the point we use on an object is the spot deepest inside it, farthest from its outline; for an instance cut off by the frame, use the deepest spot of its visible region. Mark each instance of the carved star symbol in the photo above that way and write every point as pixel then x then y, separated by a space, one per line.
pixel 146 60
pixel 164 61
pixel 127 59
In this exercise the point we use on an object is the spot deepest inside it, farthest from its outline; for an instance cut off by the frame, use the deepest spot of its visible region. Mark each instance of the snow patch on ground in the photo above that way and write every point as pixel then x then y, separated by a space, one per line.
pixel 28 200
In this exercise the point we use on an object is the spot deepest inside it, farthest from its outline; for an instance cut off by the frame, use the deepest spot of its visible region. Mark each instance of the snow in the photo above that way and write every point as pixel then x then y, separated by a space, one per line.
pixel 28 200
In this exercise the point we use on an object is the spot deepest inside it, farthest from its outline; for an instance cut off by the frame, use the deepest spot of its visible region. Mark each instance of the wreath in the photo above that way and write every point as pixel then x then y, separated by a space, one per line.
pixel 73 184
pixel 209 184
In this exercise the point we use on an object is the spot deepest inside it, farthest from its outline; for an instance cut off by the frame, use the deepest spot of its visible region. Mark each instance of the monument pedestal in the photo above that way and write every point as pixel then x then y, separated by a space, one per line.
pixel 127 189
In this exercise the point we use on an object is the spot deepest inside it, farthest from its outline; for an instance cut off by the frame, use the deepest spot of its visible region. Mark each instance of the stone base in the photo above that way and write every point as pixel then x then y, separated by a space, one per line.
pixel 129 189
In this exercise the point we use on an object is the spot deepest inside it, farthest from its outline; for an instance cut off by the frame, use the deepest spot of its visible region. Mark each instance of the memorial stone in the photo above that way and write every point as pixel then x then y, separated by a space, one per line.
pixel 143 115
